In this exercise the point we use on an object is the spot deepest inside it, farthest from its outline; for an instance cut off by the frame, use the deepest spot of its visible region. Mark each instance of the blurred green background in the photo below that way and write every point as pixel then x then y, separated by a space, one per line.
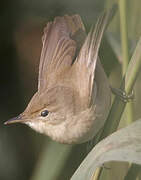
pixel 25 154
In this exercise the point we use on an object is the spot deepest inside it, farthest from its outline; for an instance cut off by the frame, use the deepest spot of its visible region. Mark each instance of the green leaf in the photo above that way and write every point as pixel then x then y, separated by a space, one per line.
pixel 123 145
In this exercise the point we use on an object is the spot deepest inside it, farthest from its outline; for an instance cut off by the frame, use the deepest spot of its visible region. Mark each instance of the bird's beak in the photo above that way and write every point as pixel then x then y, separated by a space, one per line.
pixel 18 119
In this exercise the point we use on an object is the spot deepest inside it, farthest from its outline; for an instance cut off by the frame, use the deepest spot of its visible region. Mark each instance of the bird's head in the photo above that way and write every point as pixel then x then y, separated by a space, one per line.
pixel 47 109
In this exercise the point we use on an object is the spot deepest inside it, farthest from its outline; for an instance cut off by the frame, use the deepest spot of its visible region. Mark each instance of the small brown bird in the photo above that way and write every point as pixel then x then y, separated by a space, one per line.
pixel 73 97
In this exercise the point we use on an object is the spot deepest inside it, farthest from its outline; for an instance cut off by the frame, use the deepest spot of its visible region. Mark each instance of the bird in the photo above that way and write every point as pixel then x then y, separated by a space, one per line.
pixel 73 98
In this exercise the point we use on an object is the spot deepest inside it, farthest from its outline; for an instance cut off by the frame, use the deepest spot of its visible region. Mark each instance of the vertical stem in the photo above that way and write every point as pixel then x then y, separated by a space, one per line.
pixel 124 36
pixel 97 174
pixel 133 172
pixel 125 60
pixel 51 163
pixel 125 51
pixel 127 84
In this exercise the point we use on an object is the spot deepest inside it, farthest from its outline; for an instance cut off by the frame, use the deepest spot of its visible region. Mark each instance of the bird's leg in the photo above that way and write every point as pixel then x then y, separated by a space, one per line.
pixel 123 95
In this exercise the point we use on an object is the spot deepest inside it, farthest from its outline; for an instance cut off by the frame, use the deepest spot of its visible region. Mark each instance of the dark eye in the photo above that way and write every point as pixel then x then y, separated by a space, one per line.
pixel 44 113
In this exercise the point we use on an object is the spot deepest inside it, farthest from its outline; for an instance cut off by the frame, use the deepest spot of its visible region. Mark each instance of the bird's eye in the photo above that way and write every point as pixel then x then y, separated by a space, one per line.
pixel 44 113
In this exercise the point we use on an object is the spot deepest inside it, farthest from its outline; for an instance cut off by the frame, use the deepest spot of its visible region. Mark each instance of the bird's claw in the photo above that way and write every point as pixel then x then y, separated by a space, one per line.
pixel 123 95
pixel 105 167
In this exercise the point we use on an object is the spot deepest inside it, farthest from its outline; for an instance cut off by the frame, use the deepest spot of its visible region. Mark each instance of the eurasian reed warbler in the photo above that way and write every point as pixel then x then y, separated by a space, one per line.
pixel 73 97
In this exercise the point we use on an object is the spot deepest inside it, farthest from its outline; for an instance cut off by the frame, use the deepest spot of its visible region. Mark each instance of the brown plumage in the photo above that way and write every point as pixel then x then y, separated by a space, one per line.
pixel 73 90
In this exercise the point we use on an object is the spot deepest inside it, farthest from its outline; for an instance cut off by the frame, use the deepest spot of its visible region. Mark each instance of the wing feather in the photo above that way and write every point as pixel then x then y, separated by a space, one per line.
pixel 59 47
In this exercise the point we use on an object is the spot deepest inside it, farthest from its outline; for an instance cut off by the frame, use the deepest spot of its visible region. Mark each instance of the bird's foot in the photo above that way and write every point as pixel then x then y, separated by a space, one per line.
pixel 105 167
pixel 123 95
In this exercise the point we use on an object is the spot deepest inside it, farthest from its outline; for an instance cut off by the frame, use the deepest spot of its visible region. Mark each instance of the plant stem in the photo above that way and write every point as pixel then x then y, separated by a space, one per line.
pixel 134 68
pixel 127 82
pixel 47 168
pixel 127 85
pixel 124 36
pixel 131 80
pixel 133 172
pixel 96 176
pixel 125 52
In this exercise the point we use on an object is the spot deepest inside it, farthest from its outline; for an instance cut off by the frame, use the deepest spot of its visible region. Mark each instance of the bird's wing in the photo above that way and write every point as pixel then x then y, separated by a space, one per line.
pixel 60 41
pixel 83 69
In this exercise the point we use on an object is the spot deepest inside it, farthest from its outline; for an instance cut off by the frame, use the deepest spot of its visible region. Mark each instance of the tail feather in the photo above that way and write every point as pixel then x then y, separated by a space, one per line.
pixel 85 64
